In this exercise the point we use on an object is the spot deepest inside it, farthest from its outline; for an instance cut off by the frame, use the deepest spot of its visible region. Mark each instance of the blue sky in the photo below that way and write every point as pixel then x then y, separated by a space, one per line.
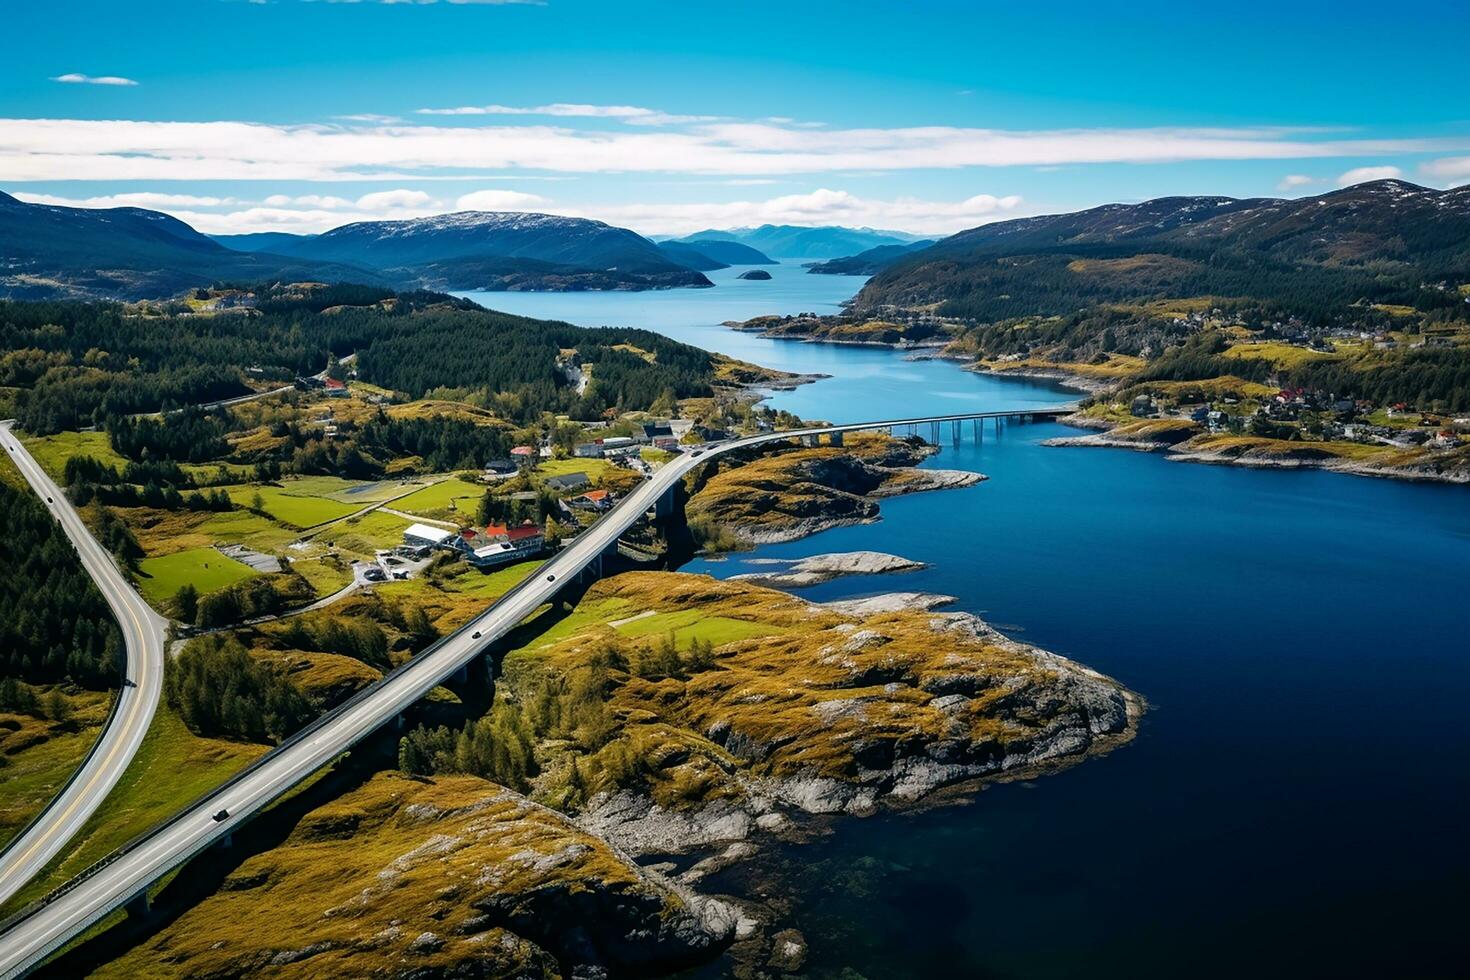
pixel 667 117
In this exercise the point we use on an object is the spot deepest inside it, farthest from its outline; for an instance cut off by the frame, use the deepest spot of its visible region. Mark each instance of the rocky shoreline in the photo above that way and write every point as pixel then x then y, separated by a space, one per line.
pixel 801 491
pixel 729 829
pixel 1290 456
pixel 824 568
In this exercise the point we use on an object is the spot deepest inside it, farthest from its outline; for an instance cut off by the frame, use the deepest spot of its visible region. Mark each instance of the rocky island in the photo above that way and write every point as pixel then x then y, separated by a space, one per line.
pixel 755 275
pixel 791 493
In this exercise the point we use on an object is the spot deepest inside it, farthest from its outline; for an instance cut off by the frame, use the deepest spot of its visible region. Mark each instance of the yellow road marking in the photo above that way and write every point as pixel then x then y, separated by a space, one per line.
pixel 112 752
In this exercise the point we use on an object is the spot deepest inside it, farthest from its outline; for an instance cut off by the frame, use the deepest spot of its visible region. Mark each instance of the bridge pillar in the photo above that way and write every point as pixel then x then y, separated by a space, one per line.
pixel 810 440
pixel 934 432
pixel 664 506
pixel 954 431
pixel 835 439
pixel 226 842
pixel 462 675
pixel 138 906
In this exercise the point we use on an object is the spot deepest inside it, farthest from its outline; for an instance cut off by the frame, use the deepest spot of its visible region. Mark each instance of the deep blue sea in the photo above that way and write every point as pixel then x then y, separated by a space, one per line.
pixel 1296 801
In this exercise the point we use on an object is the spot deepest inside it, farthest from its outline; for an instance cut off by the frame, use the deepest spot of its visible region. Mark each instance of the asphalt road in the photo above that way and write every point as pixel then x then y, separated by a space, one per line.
pixel 27 941
pixel 143 632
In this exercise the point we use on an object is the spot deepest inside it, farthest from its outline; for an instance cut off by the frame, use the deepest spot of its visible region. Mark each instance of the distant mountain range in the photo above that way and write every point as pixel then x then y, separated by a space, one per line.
pixel 794 242
pixel 131 253
pixel 1387 242
pixel 127 253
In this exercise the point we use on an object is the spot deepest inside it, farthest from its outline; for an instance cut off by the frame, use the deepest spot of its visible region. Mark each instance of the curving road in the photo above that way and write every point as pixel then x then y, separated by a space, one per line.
pixel 30 937
pixel 143 633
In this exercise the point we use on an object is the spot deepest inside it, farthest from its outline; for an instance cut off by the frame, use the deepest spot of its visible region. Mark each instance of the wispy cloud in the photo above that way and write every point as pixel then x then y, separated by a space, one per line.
pixel 1293 181
pixel 1359 175
pixel 308 213
pixel 498 201
pixel 77 78
pixel 631 114
pixel 819 207
pixel 86 149
pixel 1453 169
pixel 141 199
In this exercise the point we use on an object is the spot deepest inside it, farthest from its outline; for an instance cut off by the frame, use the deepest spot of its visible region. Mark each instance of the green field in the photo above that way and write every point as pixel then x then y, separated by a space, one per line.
pixel 31 775
pixel 364 535
pixel 173 767
pixel 451 494
pixel 324 578
pixel 291 503
pixel 206 569
pixel 52 452
pixel 561 467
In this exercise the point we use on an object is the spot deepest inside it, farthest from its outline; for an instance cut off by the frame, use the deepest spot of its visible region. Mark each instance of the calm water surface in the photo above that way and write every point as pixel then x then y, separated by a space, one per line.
pixel 1296 801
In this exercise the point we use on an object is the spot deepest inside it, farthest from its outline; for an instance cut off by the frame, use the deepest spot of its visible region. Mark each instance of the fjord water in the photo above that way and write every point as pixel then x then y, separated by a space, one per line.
pixel 1296 801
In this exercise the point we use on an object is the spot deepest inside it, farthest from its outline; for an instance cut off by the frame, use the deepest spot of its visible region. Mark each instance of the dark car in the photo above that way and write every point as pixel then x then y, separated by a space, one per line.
pixel 221 815
pixel 551 578
pixel 476 634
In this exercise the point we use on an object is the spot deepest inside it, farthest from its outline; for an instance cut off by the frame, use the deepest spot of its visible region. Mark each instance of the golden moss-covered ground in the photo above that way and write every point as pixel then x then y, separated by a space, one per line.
pixel 453 876
pixel 786 489
pixel 807 692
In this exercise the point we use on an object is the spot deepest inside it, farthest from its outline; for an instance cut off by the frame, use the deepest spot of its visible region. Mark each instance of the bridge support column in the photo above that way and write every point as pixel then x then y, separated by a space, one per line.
pixel 954 432
pixel 462 675
pixel 226 842
pixel 835 439
pixel 664 506
pixel 138 906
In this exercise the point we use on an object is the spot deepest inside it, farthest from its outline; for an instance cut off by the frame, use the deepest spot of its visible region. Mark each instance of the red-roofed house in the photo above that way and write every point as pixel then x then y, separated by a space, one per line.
pixel 592 500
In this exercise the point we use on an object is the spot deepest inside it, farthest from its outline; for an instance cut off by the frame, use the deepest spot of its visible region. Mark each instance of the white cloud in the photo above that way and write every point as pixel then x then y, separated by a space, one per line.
pixel 1359 175
pixel 819 207
pixel 77 78
pixel 497 201
pixel 1293 181
pixel 309 213
pixel 82 149
pixel 1453 169
pixel 142 199
pixel 631 114
pixel 395 200
pixel 326 201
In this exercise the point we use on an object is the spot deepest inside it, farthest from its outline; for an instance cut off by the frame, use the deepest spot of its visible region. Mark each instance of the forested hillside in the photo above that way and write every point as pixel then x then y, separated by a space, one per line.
pixel 1387 243
pixel 68 365
pixel 54 624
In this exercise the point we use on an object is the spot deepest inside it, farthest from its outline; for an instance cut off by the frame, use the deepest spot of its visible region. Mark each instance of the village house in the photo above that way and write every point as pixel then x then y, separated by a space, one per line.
pixel 598 500
pixel 567 482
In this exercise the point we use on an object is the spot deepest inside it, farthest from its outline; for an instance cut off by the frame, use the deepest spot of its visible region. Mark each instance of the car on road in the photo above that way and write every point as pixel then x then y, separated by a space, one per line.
pixel 551 578
pixel 220 816
pixel 476 635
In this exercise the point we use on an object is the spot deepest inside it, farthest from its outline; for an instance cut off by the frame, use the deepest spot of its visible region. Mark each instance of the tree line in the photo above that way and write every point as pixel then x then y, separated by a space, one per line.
pixel 54 624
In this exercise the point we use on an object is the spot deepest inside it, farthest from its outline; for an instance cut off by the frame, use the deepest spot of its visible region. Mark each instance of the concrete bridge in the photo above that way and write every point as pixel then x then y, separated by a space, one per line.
pixel 123 877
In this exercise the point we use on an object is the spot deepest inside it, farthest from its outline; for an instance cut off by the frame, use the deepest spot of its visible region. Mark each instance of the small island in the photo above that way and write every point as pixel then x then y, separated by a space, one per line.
pixel 754 275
